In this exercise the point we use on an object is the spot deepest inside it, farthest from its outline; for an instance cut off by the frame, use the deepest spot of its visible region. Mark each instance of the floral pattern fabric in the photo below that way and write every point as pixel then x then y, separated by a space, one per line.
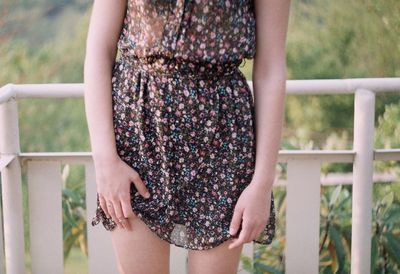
pixel 184 118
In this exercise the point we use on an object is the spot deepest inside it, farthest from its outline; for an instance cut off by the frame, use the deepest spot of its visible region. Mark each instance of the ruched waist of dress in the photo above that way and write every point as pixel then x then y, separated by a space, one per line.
pixel 175 66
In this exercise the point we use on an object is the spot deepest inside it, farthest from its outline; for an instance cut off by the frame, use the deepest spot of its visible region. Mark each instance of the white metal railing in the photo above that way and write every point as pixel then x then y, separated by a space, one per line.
pixel 302 185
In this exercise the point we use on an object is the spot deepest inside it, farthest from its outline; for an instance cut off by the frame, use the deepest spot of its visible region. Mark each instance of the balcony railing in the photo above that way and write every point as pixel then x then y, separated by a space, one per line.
pixel 302 186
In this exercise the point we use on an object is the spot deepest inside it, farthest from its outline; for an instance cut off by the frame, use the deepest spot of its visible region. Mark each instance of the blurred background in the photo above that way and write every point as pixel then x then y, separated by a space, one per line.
pixel 43 41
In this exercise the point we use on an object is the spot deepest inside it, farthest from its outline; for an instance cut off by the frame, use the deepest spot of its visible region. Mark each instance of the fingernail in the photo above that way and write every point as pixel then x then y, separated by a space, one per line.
pixel 147 195
pixel 231 231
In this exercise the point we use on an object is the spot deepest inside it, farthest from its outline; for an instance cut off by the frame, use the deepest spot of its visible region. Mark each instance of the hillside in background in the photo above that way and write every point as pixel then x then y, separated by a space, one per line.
pixel 42 21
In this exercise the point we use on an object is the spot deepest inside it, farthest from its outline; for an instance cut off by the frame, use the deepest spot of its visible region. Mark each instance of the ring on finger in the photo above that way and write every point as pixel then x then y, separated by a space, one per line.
pixel 121 219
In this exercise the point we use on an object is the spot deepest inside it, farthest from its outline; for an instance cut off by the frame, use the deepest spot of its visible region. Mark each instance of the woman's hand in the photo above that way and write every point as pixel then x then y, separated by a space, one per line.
pixel 253 210
pixel 114 178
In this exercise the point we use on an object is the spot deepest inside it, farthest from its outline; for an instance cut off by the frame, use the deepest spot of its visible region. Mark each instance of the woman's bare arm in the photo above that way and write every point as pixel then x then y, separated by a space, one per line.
pixel 101 48
pixel 113 176
pixel 269 85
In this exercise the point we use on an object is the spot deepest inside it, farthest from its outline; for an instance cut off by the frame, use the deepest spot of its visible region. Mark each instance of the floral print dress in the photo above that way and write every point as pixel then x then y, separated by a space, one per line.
pixel 184 116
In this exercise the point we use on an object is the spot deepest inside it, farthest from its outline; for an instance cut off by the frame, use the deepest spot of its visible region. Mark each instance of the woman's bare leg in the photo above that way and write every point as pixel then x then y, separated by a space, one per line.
pixel 140 250
pixel 217 260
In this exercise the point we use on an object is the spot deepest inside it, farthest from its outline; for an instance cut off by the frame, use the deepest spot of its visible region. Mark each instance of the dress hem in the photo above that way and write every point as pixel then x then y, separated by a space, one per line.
pixel 110 225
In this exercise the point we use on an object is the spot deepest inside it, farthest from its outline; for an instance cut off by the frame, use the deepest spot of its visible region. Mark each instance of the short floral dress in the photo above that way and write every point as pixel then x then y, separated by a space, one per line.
pixel 184 117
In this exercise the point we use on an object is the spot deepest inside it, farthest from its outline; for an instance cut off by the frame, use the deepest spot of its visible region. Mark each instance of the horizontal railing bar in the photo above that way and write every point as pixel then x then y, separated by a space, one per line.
pixel 64 157
pixel 56 154
pixel 333 179
pixel 344 156
pixel 337 86
pixel 298 87
pixel 283 156
pixel 391 154
pixel 339 156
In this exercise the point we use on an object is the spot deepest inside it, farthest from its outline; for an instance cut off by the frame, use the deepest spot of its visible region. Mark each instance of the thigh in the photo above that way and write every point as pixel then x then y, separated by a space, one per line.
pixel 217 260
pixel 140 250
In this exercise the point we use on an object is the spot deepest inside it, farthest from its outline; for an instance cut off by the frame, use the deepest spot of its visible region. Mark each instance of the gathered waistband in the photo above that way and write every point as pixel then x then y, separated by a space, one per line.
pixel 170 66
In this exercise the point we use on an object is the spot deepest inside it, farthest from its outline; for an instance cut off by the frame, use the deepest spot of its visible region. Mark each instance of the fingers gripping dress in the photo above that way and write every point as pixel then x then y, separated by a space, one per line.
pixel 183 116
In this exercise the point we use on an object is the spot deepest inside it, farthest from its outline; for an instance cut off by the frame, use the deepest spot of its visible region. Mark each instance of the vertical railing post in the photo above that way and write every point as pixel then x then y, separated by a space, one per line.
pixel 45 217
pixel 2 257
pixel 363 145
pixel 303 216
pixel 11 190
pixel 101 254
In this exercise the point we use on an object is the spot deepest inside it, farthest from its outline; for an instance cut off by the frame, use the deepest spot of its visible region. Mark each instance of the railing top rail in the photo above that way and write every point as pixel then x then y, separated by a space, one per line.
pixel 298 87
